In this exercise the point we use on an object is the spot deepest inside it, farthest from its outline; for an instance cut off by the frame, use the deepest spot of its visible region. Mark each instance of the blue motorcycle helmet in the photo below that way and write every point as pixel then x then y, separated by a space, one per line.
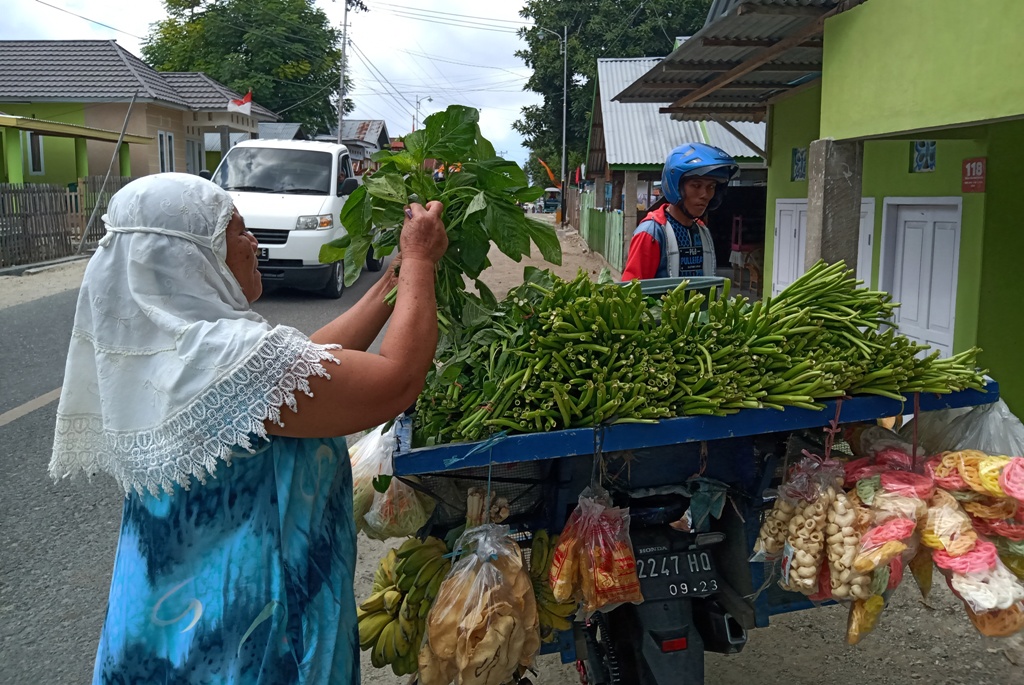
pixel 697 159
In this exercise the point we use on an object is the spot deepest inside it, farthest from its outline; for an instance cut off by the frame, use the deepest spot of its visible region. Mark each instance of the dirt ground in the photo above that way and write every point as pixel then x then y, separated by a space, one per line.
pixel 929 642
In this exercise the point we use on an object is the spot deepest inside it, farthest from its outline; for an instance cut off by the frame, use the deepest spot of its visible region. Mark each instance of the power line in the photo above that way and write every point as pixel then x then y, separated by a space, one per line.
pixel 380 76
pixel 464 64
pixel 457 24
pixel 517 22
pixel 92 21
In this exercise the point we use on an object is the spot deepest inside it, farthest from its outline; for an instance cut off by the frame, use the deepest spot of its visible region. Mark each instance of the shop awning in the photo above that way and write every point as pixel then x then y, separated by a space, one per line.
pixel 749 52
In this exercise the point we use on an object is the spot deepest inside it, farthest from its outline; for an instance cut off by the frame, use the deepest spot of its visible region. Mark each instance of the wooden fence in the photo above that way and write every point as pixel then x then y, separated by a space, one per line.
pixel 41 222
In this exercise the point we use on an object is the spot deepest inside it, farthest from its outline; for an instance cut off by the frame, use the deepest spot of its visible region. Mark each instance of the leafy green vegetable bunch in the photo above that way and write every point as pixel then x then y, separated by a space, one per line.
pixel 481 194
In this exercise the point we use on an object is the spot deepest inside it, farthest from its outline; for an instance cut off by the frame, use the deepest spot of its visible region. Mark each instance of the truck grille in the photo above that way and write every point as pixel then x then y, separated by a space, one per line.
pixel 270 236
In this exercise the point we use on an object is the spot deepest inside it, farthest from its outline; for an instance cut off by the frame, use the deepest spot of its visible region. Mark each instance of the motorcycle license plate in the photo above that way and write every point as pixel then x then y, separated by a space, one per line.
pixel 264 253
pixel 677 575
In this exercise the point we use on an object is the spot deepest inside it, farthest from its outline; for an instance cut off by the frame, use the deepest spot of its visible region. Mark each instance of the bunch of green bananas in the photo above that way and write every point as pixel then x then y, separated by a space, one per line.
pixel 392 621
pixel 554 615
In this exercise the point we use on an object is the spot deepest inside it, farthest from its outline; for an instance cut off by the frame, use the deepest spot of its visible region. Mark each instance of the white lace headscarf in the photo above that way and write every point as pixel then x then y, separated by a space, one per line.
pixel 169 368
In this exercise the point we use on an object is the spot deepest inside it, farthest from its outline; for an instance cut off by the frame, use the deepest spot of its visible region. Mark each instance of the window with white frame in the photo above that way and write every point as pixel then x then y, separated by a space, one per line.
pixel 165 145
pixel 34 147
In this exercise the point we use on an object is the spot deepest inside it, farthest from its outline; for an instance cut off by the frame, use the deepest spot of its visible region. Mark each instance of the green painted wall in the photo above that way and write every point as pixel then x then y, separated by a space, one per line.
pixel 793 124
pixel 904 65
pixel 1001 308
pixel 212 160
pixel 887 174
pixel 58 153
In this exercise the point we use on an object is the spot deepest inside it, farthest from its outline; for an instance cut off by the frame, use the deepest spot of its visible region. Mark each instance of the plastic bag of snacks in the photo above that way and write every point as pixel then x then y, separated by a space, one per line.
pixel 483 626
pixel 813 488
pixel 843 541
pixel 594 558
pixel 370 457
pixel 399 511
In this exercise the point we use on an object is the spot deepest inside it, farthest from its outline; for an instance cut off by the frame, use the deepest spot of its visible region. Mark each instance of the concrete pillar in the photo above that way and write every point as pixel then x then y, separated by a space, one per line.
pixel 81 158
pixel 124 160
pixel 225 141
pixel 13 156
pixel 628 210
pixel 833 201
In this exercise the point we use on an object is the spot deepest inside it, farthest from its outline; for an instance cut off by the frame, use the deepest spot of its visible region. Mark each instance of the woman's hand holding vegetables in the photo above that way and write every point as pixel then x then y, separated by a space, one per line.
pixel 423 234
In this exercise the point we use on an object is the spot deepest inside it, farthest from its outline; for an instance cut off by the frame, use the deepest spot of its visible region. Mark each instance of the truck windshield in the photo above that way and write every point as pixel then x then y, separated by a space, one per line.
pixel 275 170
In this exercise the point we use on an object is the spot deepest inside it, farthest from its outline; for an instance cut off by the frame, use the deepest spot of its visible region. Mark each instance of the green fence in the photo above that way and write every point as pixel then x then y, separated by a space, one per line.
pixel 602 230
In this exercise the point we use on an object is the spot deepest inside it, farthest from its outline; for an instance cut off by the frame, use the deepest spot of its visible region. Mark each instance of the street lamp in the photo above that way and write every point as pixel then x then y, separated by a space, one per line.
pixel 416 117
pixel 563 41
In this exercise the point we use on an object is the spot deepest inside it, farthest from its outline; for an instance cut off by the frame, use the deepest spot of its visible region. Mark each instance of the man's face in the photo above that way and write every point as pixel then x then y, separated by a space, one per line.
pixel 697 194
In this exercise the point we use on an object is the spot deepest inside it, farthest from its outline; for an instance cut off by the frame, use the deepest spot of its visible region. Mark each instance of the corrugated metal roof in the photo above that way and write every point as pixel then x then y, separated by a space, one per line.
pixel 279 131
pixel 737 31
pixel 635 134
pixel 373 132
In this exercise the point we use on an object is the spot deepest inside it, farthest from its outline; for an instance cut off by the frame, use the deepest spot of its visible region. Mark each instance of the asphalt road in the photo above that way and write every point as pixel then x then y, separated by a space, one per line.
pixel 57 541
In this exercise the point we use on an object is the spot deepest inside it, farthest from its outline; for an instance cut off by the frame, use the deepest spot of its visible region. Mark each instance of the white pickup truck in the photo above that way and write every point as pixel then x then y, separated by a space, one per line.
pixel 290 193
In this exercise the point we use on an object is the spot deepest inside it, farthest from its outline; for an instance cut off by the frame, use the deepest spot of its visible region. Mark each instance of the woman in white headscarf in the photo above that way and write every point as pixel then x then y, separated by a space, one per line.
pixel 237 547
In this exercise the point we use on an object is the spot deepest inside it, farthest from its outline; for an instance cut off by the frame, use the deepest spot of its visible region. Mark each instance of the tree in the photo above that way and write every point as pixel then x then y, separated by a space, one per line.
pixel 284 50
pixel 597 28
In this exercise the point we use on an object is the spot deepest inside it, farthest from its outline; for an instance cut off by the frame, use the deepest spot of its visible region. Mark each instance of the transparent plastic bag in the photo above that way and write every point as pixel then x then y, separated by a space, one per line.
pixel 990 428
pixel 483 626
pixel 885 446
pixel 843 541
pixel 594 558
pixel 370 457
pixel 399 511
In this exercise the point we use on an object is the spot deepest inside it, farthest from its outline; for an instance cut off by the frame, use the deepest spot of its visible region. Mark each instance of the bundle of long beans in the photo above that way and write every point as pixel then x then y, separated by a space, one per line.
pixel 560 354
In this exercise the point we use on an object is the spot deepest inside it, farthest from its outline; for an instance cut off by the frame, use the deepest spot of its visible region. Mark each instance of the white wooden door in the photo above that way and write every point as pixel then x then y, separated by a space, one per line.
pixel 866 243
pixel 925 273
pixel 790 241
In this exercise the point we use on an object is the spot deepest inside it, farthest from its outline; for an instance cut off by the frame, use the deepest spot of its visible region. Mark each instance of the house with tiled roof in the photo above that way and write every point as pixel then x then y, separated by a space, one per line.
pixel 89 84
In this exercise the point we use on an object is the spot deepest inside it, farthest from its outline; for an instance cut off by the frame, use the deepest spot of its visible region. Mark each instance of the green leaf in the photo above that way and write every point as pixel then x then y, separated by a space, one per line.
pixel 448 136
pixel 485 294
pixel 334 251
pixel 506 226
pixel 479 203
pixel 387 187
pixel 355 257
pixel 474 311
pixel 382 482
pixel 527 194
pixel 473 246
pixel 484 149
pixel 605 277
pixel 354 213
pixel 545 238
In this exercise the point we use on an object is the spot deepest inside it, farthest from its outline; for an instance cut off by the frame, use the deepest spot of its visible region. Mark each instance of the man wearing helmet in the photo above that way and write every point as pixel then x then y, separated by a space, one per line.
pixel 672 240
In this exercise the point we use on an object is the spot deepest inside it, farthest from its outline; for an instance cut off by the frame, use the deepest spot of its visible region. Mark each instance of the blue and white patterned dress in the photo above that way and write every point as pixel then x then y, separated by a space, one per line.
pixel 245 580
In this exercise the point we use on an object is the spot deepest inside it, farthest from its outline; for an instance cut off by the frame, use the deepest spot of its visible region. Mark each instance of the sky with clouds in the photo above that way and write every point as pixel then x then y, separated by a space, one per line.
pixel 402 53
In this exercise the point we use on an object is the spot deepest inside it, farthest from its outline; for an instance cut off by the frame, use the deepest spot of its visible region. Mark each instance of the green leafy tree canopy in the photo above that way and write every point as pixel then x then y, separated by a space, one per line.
pixel 597 29
pixel 284 50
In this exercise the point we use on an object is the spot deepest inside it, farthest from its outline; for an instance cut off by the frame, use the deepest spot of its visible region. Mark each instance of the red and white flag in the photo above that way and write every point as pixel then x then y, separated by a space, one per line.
pixel 244 105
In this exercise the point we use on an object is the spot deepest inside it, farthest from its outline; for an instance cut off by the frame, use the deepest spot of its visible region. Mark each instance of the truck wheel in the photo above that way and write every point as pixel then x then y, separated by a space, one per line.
pixel 372 263
pixel 336 283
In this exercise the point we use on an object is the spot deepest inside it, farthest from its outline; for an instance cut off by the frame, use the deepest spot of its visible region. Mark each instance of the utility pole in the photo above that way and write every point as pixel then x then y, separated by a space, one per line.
pixel 565 101
pixel 564 41
pixel 416 117
pixel 341 90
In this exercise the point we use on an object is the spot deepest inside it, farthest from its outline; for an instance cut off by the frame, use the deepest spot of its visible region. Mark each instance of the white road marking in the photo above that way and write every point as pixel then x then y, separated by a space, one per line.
pixel 28 407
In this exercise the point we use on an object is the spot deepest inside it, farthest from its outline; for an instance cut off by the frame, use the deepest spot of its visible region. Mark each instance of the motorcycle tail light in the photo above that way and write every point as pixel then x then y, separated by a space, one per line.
pixel 674 645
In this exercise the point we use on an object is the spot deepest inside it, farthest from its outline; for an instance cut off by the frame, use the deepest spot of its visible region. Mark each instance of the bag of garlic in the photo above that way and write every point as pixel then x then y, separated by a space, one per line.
pixel 483 627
